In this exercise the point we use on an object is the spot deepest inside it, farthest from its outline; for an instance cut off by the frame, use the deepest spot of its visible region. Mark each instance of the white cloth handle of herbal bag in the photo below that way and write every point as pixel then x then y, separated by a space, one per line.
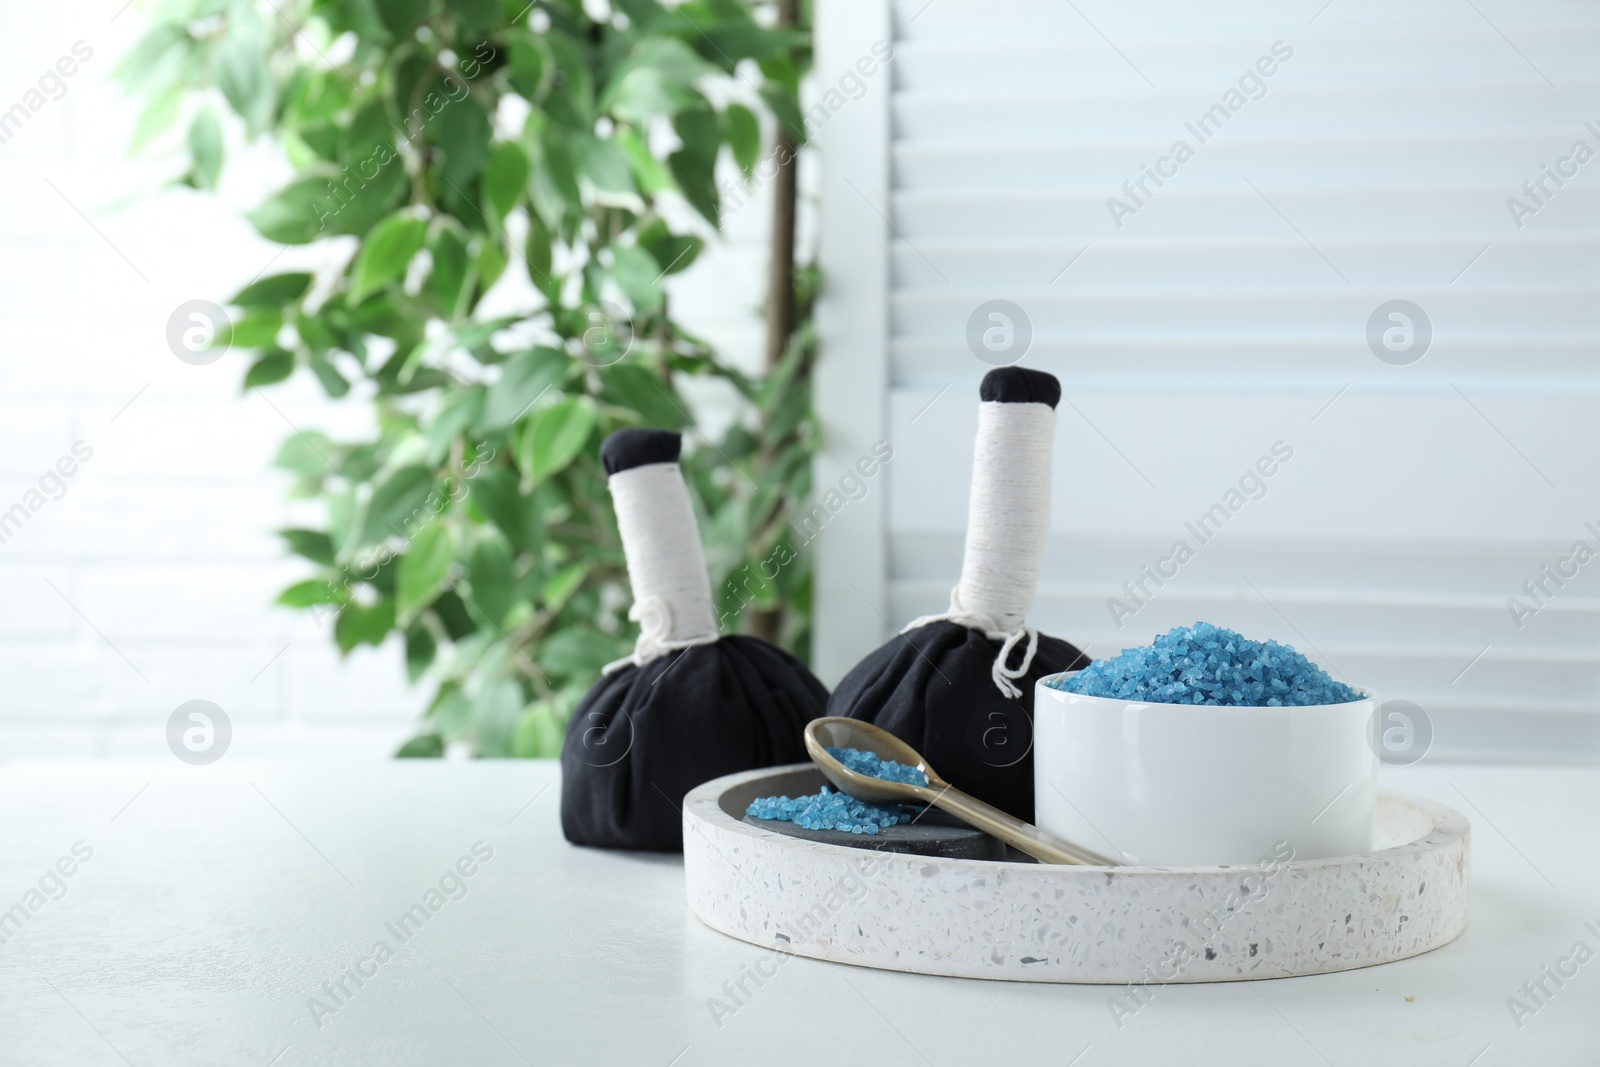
pixel 666 564
pixel 1008 520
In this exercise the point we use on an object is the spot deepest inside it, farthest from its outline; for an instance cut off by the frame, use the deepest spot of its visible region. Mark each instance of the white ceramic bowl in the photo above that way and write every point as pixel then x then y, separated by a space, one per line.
pixel 1180 784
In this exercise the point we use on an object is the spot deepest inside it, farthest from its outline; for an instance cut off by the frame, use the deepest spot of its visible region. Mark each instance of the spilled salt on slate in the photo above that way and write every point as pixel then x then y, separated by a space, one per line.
pixel 1206 664
pixel 828 810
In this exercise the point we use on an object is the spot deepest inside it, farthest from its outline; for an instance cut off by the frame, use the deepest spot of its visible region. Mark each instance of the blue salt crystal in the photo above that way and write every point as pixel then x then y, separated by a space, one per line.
pixel 828 810
pixel 1206 664
pixel 866 763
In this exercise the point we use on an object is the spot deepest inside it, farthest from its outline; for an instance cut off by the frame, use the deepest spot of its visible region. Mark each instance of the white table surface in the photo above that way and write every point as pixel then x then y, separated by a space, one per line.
pixel 218 900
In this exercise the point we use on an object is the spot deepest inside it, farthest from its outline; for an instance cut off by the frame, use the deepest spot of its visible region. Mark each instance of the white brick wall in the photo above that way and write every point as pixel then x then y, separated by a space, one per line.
pixel 161 551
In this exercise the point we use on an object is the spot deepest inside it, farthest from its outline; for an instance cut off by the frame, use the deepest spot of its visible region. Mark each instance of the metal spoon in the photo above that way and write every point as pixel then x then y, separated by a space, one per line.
pixel 835 732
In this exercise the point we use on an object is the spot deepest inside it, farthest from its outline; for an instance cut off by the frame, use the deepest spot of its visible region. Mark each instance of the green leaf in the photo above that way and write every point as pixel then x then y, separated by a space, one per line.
pixel 257 328
pixel 635 272
pixel 539 732
pixel 453 614
pixel 461 131
pixel 297 214
pixel 554 437
pixel 318 95
pixel 657 78
pixel 698 184
pixel 324 203
pixel 428 746
pixel 674 252
pixel 525 377
pixel 571 100
pixel 358 625
pixel 605 337
pixel 420 651
pixel 735 36
pixel 558 589
pixel 312 591
pixel 783 105
pixel 496 494
pixel 457 411
pixel 307 453
pixel 423 569
pixel 274 366
pixel 494 716
pixel 554 185
pixel 165 46
pixel 157 117
pixel 578 651
pixel 312 544
pixel 398 506
pixel 694 165
pixel 333 383
pixel 274 290
pixel 449 274
pixel 633 387
pixel 315 333
pixel 605 164
pixel 205 148
pixel 491 261
pixel 506 177
pixel 451 712
pixel 651 176
pixel 368 142
pixel 386 253
pixel 528 64
pixel 700 132
pixel 643 93
pixel 239 67
pixel 476 16
pixel 400 17
pixel 744 136
pixel 537 255
pixel 490 573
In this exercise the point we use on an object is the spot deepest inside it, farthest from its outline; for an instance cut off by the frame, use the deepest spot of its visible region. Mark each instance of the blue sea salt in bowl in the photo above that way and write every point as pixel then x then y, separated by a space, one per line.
pixel 1206 747
pixel 1206 664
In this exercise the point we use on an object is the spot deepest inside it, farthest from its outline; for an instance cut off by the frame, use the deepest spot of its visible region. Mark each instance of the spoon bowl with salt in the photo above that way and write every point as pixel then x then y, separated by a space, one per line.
pixel 834 732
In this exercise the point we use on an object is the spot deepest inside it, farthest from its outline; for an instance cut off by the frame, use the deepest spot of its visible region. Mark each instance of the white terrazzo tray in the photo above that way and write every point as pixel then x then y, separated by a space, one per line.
pixel 1030 922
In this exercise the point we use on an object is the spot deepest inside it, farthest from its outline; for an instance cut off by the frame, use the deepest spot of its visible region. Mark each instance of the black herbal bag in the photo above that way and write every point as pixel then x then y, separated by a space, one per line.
pixel 688 705
pixel 959 686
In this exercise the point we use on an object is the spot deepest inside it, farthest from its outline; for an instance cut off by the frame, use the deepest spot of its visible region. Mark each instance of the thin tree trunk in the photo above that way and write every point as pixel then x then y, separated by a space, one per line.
pixel 767 623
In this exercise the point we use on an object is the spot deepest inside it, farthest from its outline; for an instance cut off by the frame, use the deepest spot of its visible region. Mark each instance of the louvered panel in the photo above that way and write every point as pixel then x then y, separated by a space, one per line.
pixel 1466 574
pixel 1154 264
pixel 1226 309
pixel 1233 210
pixel 1370 52
pixel 1456 624
pixel 1318 366
pixel 1276 109
pixel 1133 26
pixel 1229 311
pixel 1498 163
pixel 1424 466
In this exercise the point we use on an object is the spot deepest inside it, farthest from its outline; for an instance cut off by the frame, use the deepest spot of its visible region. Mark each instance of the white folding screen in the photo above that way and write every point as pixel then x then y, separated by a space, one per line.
pixel 1220 309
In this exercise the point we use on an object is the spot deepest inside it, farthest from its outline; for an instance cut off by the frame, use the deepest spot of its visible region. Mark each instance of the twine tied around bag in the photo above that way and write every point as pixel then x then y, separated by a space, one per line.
pixel 1003 674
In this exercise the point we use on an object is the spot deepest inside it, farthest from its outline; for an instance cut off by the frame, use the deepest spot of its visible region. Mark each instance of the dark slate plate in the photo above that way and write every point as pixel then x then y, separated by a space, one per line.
pixel 933 833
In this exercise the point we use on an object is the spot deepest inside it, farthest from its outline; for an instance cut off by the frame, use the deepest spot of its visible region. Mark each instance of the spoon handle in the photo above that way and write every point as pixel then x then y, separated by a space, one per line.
pixel 1023 836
